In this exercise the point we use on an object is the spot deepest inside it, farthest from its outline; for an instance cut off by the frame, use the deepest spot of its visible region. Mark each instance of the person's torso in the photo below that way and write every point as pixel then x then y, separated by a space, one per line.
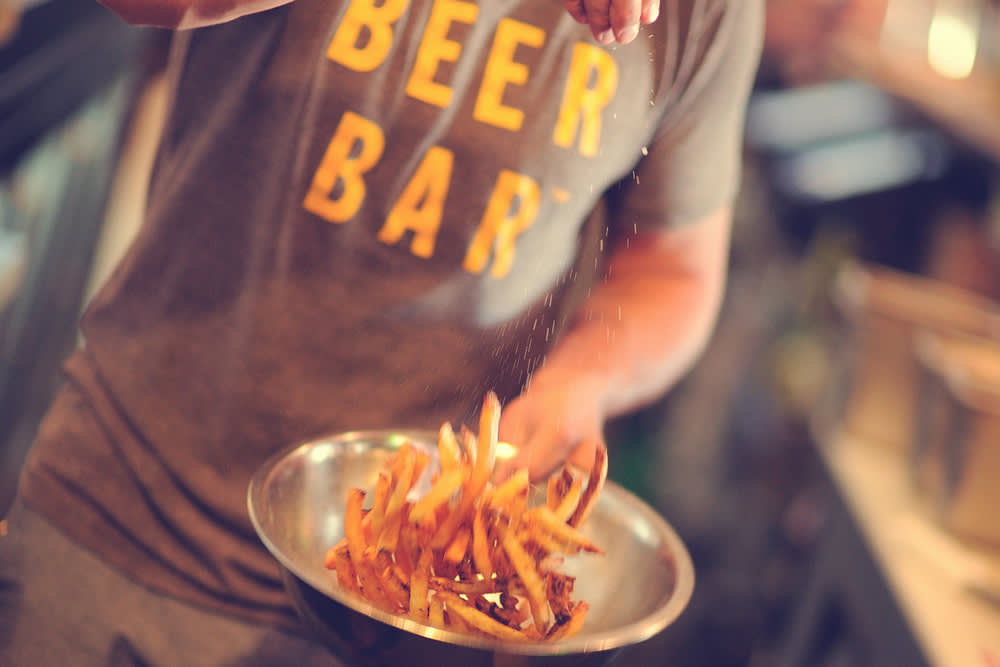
pixel 362 215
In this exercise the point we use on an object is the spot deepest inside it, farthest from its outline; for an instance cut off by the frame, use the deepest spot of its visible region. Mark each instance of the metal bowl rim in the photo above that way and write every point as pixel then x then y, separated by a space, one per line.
pixel 627 635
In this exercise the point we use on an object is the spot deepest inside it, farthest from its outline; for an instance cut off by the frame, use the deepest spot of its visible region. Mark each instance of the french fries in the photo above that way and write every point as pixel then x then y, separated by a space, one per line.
pixel 469 556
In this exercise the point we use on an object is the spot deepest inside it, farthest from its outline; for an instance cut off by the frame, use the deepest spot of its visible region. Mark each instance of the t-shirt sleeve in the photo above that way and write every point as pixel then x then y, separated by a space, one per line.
pixel 692 167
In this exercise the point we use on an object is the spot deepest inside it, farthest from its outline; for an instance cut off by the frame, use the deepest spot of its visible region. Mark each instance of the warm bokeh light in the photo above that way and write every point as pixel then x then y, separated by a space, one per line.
pixel 952 44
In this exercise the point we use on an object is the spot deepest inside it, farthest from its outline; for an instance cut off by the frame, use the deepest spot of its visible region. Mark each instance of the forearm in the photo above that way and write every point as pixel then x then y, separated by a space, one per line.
pixel 185 14
pixel 644 327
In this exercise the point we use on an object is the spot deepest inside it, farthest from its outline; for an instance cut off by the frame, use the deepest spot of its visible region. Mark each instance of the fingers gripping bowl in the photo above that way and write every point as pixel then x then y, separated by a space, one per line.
pixel 635 589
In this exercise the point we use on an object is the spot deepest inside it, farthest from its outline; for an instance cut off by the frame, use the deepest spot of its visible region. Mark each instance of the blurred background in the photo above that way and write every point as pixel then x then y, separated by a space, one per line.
pixel 833 461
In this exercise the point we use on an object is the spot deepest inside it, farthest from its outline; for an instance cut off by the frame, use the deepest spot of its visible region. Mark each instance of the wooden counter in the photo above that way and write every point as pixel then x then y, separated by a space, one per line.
pixel 939 585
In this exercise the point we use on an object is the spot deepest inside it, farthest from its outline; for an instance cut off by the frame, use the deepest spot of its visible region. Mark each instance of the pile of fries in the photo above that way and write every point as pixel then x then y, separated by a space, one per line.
pixel 469 556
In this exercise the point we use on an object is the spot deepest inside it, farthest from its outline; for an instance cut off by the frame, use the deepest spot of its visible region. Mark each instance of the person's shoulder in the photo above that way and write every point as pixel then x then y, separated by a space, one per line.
pixel 703 18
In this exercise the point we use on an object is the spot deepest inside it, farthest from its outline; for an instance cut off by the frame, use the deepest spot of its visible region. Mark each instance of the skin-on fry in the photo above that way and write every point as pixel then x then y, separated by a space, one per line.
pixel 455 622
pixel 486 444
pixel 468 441
pixel 467 555
pixel 436 612
pixel 379 499
pixel 420 587
pixel 538 539
pixel 489 433
pixel 569 501
pixel 370 587
pixel 346 576
pixel 505 494
pixel 533 584
pixel 449 451
pixel 388 540
pixel 420 462
pixel 598 474
pixel 477 619
pixel 481 545
pixel 562 532
pixel 557 487
pixel 391 584
pixel 510 611
pixel 406 463
pixel 572 626
pixel 330 562
pixel 466 587
pixel 455 553
pixel 441 492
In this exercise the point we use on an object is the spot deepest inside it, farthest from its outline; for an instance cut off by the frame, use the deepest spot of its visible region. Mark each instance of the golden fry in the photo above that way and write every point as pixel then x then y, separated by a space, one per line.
pixel 489 433
pixel 356 545
pixel 453 621
pixel 438 557
pixel 420 587
pixel 379 499
pixel 481 471
pixel 449 451
pixel 467 438
pixel 330 562
pixel 481 545
pixel 598 475
pixel 455 553
pixel 479 620
pixel 572 626
pixel 436 612
pixel 388 540
pixel 567 535
pixel 403 480
pixel 557 487
pixel 407 550
pixel 441 492
pixel 534 535
pixel 386 572
pixel 346 576
pixel 466 587
pixel 569 501
pixel 533 584
pixel 505 494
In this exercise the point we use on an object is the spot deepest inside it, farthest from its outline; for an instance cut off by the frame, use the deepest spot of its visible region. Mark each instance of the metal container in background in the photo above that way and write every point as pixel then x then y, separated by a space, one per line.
pixel 874 395
pixel 958 462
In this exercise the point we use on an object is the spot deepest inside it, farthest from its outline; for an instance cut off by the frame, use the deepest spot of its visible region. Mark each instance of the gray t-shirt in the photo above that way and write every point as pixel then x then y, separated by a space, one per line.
pixel 360 217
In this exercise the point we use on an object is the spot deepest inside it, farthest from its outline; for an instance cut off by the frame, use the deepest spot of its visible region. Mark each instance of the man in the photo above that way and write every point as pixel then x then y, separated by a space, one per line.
pixel 366 215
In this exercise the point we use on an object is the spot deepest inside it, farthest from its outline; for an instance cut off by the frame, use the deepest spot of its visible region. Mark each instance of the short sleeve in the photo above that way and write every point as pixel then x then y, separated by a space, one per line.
pixel 692 167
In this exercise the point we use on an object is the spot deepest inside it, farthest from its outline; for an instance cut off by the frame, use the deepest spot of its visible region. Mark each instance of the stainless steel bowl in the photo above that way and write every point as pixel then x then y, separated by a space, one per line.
pixel 296 500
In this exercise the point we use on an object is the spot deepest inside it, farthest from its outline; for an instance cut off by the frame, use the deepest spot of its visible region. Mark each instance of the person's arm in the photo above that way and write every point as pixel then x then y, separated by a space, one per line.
pixel 639 332
pixel 186 14
pixel 644 326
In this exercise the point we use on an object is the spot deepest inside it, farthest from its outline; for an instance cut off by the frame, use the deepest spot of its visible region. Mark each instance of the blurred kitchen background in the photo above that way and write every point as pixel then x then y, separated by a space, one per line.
pixel 833 461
